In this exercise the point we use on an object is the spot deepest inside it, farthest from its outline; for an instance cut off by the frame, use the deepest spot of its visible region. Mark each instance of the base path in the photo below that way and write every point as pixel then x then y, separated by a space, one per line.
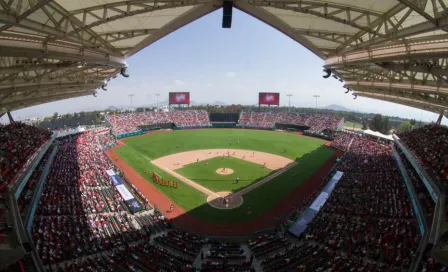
pixel 178 160
pixel 186 221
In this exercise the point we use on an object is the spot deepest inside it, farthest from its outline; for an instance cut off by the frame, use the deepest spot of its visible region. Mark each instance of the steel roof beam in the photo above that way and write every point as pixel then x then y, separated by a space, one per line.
pixel 415 67
pixel 41 100
pixel 36 89
pixel 191 15
pixel 34 50
pixel 9 98
pixel 46 30
pixel 99 41
pixel 38 4
pixel 404 101
pixel 35 67
pixel 133 8
pixel 44 84
pixel 419 7
pixel 373 25
pixel 404 86
pixel 414 95
pixel 400 52
pixel 301 8
pixel 420 28
pixel 116 36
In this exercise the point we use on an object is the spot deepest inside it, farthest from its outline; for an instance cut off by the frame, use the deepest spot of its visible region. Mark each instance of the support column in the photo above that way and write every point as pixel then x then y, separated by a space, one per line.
pixel 10 117
pixel 439 120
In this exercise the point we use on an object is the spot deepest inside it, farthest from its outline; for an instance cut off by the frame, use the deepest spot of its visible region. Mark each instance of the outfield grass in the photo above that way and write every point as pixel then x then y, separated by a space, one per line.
pixel 158 145
pixel 205 175
pixel 260 199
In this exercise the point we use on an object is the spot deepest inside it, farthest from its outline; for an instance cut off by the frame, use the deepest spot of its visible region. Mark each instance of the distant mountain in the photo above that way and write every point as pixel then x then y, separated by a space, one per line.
pixel 219 103
pixel 112 108
pixel 336 107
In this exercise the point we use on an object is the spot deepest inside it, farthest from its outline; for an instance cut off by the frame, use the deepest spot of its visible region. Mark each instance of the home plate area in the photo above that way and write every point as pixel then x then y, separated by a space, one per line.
pixel 225 200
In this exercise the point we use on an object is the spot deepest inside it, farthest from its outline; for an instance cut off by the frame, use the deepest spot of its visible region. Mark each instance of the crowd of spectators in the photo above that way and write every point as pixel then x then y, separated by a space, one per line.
pixel 80 212
pixel 429 144
pixel 130 122
pixel 226 257
pixel 18 144
pixel 25 197
pixel 366 223
pixel 316 123
pixel 426 202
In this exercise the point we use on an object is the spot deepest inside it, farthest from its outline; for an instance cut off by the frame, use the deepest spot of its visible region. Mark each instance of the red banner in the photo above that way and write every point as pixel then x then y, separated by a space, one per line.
pixel 269 99
pixel 180 98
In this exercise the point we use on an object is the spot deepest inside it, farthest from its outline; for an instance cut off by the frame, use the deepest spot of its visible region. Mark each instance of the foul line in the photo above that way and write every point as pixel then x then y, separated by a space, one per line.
pixel 207 191
pixel 263 181
pixel 184 179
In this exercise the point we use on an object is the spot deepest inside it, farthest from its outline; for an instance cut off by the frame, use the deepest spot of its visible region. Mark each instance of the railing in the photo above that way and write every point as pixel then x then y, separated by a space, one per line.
pixel 24 174
pixel 412 195
pixel 126 135
pixel 39 186
pixel 436 193
pixel 433 189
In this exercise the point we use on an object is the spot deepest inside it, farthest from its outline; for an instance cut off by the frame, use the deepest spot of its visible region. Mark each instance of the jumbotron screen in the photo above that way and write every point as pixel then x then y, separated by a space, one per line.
pixel 269 99
pixel 179 98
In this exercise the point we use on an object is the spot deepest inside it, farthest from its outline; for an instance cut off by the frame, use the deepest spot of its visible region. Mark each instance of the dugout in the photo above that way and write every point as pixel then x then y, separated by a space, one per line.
pixel 159 126
pixel 291 127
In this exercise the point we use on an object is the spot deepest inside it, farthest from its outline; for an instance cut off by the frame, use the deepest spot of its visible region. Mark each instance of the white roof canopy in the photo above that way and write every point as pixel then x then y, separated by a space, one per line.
pixel 393 50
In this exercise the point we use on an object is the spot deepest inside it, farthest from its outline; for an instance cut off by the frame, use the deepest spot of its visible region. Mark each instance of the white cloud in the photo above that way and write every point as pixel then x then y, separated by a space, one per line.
pixel 230 74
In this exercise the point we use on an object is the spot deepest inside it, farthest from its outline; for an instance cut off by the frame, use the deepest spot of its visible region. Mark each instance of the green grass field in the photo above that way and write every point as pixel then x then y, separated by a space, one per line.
pixel 158 145
pixel 205 175
pixel 310 152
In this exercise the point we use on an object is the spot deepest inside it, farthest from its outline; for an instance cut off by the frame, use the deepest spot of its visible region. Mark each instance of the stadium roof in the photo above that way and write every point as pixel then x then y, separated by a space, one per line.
pixel 392 50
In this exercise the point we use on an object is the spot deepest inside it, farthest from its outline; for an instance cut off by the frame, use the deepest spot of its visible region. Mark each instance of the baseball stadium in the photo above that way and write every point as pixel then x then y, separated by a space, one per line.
pixel 188 189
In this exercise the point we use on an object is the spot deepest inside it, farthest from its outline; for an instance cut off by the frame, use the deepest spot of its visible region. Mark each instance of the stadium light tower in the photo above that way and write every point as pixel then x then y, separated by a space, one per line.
pixel 130 97
pixel 157 94
pixel 316 96
pixel 289 102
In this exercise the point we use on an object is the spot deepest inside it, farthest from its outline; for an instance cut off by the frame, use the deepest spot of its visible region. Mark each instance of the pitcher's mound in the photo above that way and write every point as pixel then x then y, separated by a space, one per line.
pixel 225 200
pixel 224 171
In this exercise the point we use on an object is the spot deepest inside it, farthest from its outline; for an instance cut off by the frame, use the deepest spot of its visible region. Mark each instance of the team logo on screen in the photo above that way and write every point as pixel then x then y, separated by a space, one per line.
pixel 180 97
pixel 269 98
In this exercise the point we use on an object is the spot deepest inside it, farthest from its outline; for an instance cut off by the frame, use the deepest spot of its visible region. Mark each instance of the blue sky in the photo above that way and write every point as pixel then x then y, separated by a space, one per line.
pixel 229 65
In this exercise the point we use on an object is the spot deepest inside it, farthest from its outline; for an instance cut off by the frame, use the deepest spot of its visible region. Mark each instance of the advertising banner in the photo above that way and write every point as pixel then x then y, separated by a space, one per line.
pixel 128 197
pixel 124 192
pixel 116 180
pixel 308 214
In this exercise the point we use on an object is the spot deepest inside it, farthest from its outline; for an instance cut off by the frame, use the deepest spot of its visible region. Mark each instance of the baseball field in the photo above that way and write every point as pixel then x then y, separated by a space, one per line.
pixel 223 173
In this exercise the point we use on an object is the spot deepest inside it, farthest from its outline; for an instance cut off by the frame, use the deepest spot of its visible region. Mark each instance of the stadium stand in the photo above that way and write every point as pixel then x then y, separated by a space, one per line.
pixel 80 212
pixel 429 144
pixel 130 122
pixel 316 123
pixel 367 223
pixel 18 142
